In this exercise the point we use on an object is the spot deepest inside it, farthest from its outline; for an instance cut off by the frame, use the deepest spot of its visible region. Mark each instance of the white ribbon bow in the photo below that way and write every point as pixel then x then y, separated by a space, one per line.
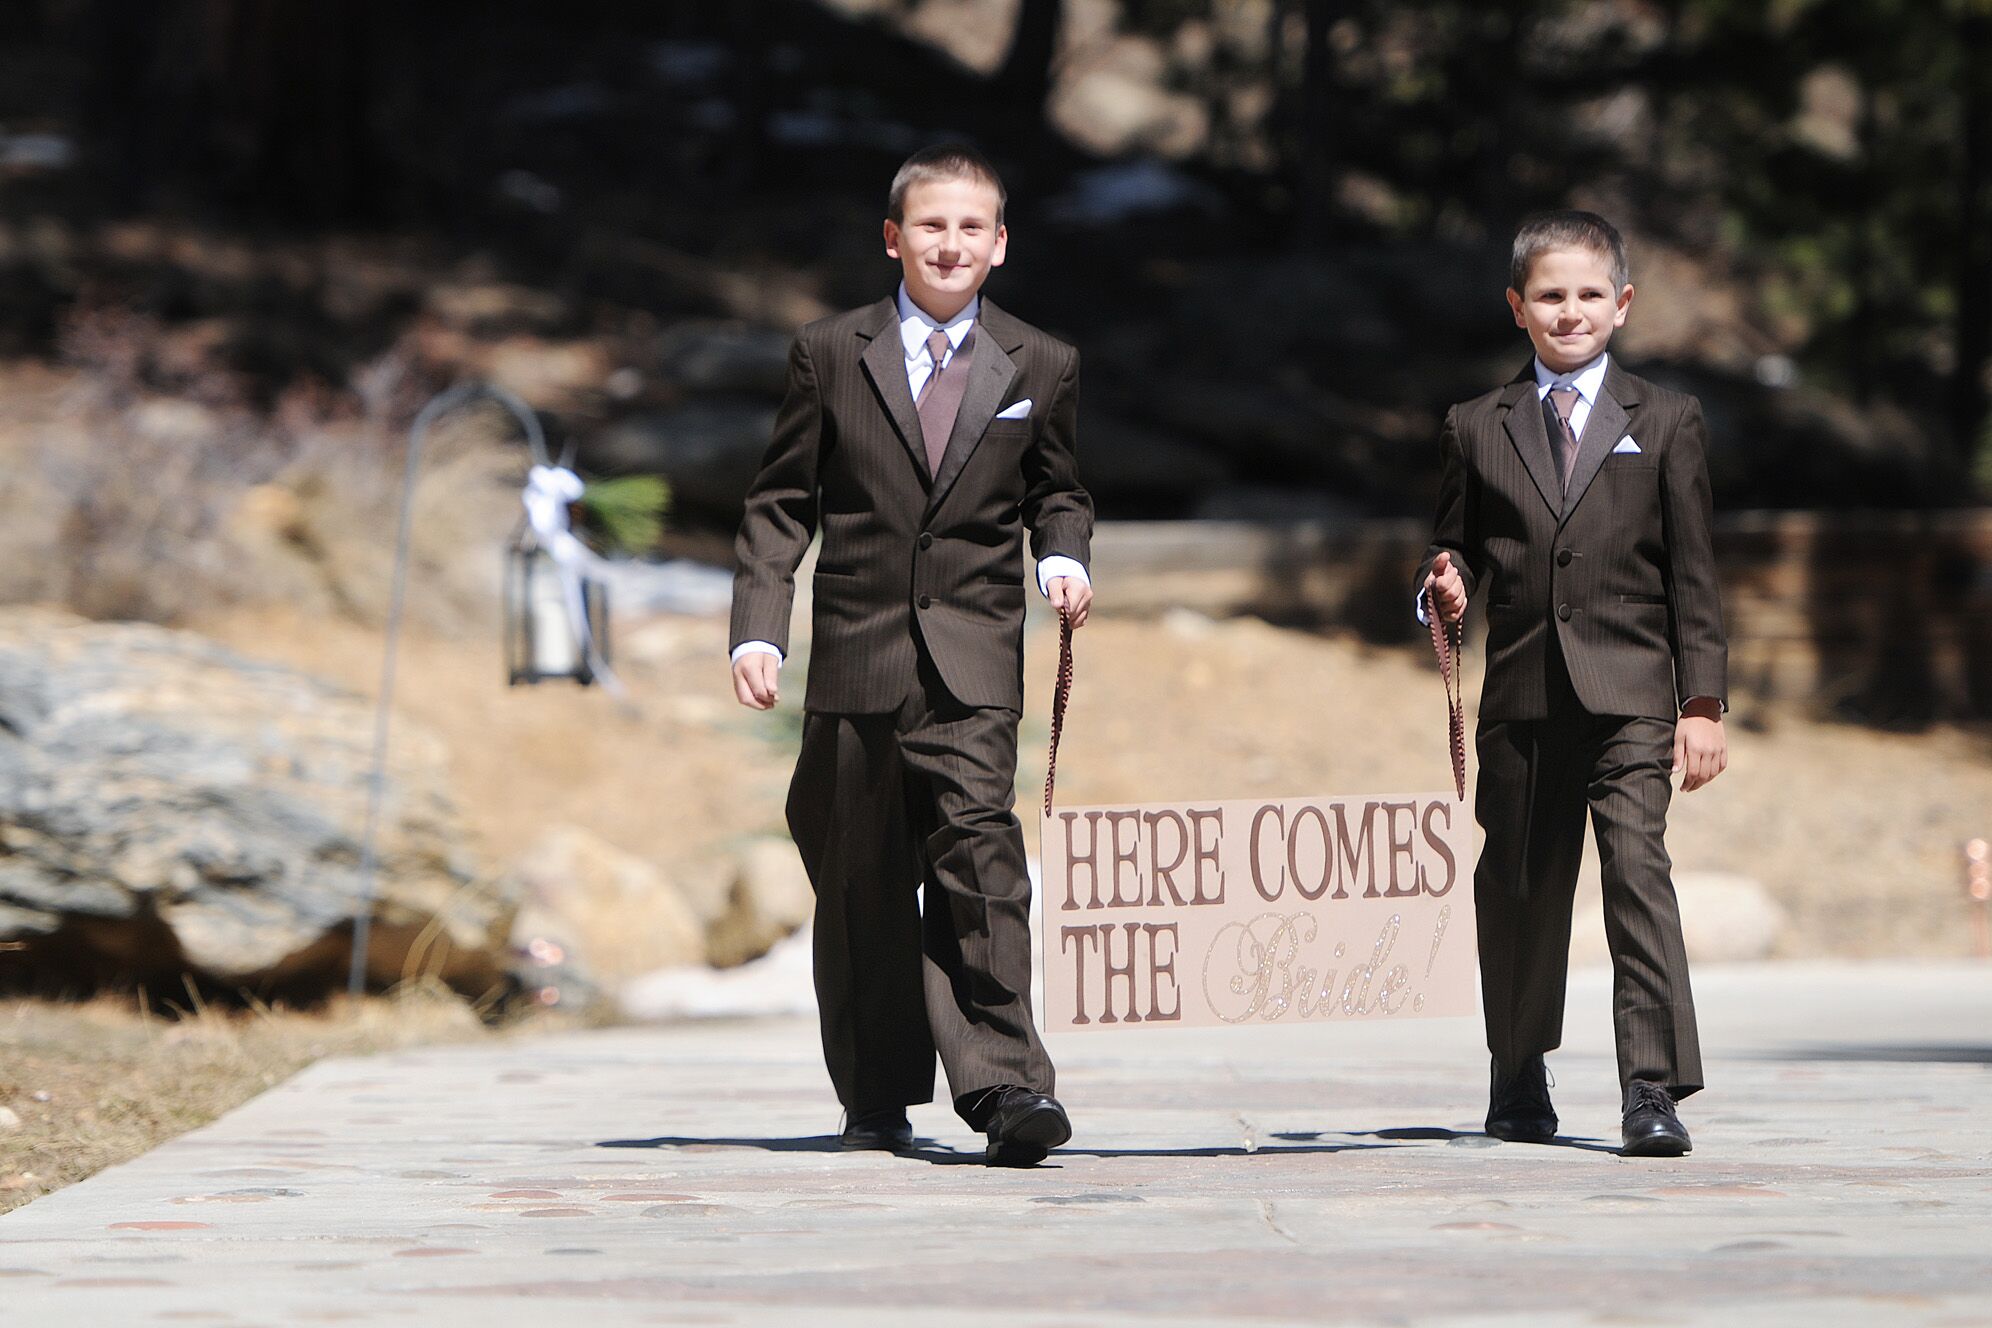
pixel 549 491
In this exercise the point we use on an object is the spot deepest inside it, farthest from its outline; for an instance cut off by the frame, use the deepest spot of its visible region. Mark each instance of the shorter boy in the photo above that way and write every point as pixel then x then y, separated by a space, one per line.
pixel 1575 503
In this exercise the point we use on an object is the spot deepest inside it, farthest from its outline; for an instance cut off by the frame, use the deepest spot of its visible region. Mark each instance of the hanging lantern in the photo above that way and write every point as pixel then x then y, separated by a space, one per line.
pixel 542 643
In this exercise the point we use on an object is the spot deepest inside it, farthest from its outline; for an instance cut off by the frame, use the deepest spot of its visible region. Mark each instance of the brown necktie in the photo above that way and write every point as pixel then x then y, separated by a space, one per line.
pixel 940 396
pixel 1564 399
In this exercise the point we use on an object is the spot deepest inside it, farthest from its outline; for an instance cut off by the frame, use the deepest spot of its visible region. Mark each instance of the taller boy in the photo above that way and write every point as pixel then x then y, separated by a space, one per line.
pixel 1575 503
pixel 922 434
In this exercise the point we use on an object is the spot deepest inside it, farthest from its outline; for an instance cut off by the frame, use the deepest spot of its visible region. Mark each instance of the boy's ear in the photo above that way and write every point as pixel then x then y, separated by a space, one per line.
pixel 1002 249
pixel 891 238
pixel 1624 305
pixel 1515 306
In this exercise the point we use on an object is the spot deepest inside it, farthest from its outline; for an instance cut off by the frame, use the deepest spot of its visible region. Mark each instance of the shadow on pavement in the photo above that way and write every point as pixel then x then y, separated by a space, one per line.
pixel 813 1143
pixel 941 1155
pixel 1472 1138
pixel 1938 1053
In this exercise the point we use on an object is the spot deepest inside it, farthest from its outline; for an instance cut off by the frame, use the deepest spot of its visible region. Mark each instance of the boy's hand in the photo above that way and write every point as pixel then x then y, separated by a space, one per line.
pixel 1701 748
pixel 757 680
pixel 1450 586
pixel 1073 595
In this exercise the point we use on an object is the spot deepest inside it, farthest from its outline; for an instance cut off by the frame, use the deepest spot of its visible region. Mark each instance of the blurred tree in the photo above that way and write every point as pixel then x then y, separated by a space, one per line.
pixel 1971 403
pixel 1025 76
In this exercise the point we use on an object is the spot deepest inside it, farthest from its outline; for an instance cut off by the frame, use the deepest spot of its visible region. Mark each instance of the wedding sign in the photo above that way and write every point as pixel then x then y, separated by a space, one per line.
pixel 1300 910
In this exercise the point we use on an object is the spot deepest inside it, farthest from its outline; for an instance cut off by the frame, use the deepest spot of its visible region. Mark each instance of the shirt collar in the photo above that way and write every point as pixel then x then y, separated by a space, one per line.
pixel 915 323
pixel 1589 380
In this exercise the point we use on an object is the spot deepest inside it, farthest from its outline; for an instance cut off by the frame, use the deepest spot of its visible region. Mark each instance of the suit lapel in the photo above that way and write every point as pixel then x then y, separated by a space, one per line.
pixel 1602 429
pixel 885 364
pixel 990 376
pixel 1531 437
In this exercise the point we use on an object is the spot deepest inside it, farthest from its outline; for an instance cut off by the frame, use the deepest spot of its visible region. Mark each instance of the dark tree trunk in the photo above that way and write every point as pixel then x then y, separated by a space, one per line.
pixel 750 28
pixel 1024 81
pixel 263 106
pixel 1971 404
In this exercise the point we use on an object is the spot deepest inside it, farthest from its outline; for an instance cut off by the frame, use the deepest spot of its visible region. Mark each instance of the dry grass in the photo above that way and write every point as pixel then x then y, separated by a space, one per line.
pixel 97 1083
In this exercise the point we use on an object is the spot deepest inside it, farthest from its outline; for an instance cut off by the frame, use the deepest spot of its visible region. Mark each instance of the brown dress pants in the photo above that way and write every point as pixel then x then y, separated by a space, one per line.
pixel 880 805
pixel 1537 779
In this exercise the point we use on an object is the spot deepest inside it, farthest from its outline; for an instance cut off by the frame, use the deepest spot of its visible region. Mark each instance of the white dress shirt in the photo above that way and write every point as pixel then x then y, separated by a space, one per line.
pixel 1589 381
pixel 915 326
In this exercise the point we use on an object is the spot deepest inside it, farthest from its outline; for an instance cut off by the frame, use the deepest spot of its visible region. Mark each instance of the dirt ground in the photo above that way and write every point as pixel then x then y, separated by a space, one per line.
pixel 1858 834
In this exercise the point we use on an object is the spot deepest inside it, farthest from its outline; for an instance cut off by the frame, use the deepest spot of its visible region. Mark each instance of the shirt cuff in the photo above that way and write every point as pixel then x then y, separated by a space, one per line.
pixel 757 648
pixel 1418 607
pixel 1056 566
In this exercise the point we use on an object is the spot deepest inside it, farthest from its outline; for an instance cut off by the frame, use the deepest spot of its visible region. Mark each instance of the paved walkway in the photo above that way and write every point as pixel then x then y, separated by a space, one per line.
pixel 1271 1175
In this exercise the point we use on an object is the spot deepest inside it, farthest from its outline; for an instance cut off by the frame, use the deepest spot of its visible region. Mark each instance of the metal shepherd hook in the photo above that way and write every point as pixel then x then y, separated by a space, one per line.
pixel 439 406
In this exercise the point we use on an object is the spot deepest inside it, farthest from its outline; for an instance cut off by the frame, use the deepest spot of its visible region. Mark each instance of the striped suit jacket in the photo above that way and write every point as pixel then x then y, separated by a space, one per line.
pixel 1621 569
pixel 911 558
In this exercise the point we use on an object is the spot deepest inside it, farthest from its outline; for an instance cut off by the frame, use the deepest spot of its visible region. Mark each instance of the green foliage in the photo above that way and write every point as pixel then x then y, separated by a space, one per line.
pixel 628 512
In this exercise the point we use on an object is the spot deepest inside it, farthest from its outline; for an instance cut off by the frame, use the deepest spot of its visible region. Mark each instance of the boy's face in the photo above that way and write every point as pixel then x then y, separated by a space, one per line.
pixel 1570 309
pixel 947 243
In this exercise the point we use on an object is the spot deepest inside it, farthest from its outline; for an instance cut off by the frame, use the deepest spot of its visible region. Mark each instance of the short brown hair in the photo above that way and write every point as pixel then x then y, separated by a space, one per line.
pixel 944 161
pixel 1567 230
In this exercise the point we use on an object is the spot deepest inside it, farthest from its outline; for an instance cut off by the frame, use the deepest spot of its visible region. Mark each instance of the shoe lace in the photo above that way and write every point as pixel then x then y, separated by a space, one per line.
pixel 1645 1094
pixel 1529 1089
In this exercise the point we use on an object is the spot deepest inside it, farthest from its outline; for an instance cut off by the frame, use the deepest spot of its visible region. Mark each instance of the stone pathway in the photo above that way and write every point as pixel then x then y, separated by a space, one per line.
pixel 685 1175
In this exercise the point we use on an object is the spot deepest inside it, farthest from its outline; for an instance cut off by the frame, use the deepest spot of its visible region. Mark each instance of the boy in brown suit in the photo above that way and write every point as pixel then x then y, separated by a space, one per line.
pixel 1575 503
pixel 923 435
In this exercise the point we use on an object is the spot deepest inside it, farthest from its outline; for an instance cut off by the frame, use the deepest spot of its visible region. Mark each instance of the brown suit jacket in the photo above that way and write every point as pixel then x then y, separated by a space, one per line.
pixel 910 558
pixel 1622 570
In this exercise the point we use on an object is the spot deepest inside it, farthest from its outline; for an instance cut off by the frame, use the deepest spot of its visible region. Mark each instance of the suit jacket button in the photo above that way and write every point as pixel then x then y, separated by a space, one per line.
pixel 927 602
pixel 926 540
pixel 1563 558
pixel 1562 611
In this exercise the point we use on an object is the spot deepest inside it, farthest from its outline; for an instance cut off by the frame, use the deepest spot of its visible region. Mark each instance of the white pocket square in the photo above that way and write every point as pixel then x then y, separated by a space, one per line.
pixel 1626 444
pixel 1016 410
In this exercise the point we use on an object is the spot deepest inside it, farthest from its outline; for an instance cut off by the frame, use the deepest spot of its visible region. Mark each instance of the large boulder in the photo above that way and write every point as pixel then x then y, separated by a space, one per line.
pixel 1725 918
pixel 768 898
pixel 614 914
pixel 170 808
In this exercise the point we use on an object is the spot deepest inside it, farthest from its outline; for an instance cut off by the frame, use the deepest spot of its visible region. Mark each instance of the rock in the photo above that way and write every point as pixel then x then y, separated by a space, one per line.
pixel 770 898
pixel 614 911
pixel 781 982
pixel 1724 919
pixel 168 807
pixel 1727 918
pixel 9 1121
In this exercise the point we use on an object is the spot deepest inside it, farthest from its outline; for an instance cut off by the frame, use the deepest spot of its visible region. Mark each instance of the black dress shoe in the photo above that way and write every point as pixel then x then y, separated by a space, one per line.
pixel 1023 1126
pixel 1652 1129
pixel 885 1130
pixel 1518 1108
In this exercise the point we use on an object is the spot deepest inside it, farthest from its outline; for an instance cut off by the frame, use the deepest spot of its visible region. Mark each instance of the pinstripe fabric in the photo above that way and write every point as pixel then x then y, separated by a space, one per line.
pixel 1634 606
pixel 879 804
pixel 847 457
pixel 1603 617
pixel 1537 779
pixel 909 753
